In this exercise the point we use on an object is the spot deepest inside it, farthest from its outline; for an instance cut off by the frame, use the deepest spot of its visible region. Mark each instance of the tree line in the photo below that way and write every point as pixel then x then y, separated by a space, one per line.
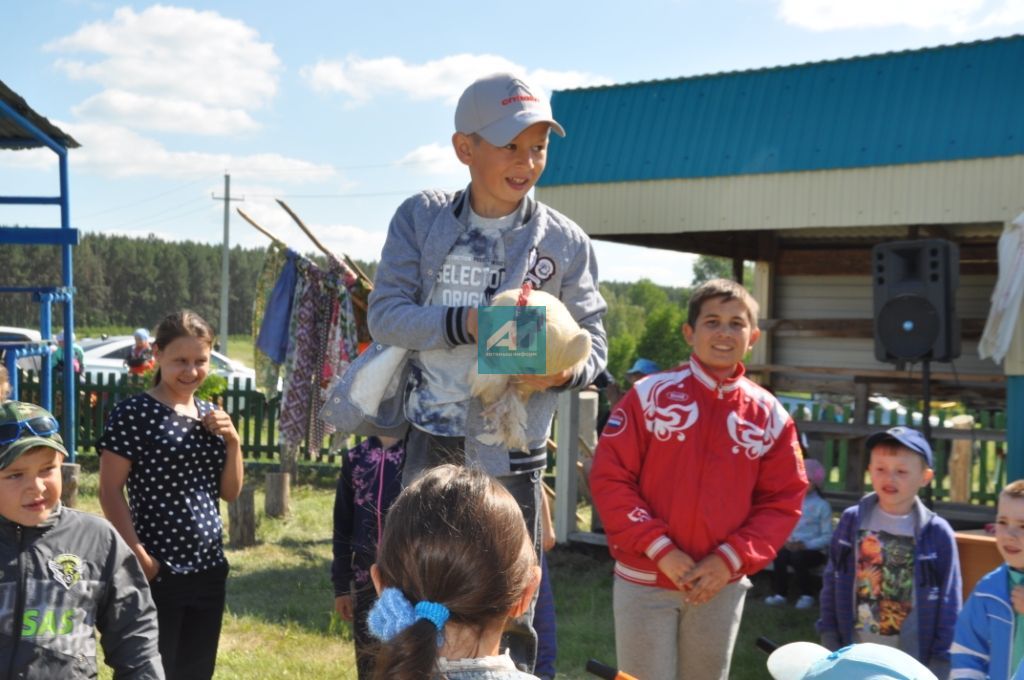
pixel 132 282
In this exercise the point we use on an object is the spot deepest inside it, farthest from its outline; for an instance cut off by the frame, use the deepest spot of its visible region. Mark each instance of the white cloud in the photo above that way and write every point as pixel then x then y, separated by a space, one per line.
pixel 356 242
pixel 340 239
pixel 363 79
pixel 618 262
pixel 29 159
pixel 163 114
pixel 956 16
pixel 166 56
pixel 434 159
pixel 116 151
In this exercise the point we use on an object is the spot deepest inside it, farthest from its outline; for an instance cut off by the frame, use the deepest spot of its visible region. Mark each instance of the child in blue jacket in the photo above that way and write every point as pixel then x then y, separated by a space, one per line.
pixel 893 573
pixel 989 639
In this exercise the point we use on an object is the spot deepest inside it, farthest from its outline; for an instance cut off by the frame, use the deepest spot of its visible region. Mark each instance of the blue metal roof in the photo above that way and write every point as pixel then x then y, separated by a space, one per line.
pixel 936 104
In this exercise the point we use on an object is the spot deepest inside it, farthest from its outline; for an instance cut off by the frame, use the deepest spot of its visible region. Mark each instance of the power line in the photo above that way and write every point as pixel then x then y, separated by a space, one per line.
pixel 144 200
pixel 163 215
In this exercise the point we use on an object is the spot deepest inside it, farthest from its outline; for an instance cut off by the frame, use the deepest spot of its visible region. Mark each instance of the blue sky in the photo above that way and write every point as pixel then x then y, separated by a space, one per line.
pixel 342 109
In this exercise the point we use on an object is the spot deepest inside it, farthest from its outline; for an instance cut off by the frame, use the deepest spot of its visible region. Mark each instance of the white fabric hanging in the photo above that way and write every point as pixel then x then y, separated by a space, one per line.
pixel 1007 295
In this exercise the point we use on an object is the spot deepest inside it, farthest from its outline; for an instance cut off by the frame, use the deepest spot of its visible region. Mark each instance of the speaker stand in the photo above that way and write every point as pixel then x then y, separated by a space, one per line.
pixel 926 424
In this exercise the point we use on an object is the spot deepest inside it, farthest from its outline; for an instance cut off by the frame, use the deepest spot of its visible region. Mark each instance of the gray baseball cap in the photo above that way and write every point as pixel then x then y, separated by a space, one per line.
pixel 500 106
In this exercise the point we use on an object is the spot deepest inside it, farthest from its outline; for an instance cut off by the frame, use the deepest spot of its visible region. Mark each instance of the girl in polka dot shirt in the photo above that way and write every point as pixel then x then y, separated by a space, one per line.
pixel 177 455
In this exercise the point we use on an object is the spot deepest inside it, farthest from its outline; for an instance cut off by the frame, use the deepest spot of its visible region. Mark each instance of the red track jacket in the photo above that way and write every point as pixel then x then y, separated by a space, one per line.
pixel 701 465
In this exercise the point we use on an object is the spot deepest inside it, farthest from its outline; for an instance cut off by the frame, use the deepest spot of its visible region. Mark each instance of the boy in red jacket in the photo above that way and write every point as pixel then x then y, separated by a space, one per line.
pixel 699 480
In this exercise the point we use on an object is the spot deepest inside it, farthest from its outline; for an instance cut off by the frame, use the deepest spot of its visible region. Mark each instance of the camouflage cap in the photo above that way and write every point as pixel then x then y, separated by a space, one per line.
pixel 24 427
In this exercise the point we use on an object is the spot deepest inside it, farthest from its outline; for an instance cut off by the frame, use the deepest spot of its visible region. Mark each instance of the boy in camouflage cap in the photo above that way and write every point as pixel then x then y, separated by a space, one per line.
pixel 74 575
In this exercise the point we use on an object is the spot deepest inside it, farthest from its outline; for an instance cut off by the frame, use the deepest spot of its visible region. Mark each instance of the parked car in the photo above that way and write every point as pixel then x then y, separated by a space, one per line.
pixel 107 355
pixel 14 336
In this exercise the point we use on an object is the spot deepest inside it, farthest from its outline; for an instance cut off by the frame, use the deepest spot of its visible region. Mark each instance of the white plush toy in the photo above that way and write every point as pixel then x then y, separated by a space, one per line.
pixel 504 398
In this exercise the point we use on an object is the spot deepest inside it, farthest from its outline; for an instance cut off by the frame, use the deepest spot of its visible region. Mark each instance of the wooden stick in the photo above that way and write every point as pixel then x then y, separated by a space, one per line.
pixel 305 229
pixel 359 272
pixel 359 303
pixel 368 284
pixel 260 229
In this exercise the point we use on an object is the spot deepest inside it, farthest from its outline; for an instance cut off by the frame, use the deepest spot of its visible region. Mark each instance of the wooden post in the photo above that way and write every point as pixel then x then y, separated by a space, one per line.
pixel 960 462
pixel 290 460
pixel 277 498
pixel 242 519
pixel 69 478
pixel 855 463
pixel 588 436
pixel 565 470
pixel 1013 366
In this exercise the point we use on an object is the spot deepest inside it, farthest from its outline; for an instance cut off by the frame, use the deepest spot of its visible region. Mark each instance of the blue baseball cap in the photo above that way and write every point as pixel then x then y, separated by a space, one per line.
pixel 910 438
pixel 141 334
pixel 645 366
pixel 865 661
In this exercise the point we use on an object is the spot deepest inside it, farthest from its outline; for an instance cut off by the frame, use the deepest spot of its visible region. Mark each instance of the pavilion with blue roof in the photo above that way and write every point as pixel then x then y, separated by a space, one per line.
pixel 802 169
pixel 22 128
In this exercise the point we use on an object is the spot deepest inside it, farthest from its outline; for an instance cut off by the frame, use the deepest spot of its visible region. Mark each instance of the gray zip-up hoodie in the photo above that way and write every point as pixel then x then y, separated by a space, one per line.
pixel 62 581
pixel 544 247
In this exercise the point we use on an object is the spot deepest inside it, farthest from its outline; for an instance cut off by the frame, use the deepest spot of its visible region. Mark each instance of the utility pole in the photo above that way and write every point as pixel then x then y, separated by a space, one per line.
pixel 222 330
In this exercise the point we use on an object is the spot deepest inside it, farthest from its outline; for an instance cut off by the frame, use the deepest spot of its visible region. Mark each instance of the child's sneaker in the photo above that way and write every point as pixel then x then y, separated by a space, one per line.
pixel 775 600
pixel 805 602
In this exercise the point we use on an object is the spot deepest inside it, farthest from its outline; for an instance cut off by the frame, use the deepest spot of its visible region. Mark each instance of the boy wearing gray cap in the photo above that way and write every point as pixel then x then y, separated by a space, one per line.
pixel 74 575
pixel 448 253
pixel 893 572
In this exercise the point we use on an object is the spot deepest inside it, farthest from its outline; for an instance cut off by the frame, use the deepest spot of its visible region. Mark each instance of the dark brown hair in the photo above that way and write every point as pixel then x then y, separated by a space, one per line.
pixel 455 537
pixel 185 323
pixel 727 289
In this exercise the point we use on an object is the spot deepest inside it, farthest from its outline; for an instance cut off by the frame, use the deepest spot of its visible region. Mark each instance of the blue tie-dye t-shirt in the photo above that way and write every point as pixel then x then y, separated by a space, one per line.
pixel 472 273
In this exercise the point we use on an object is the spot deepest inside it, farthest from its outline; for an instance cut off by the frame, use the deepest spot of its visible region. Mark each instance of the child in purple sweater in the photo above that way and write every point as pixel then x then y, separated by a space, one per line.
pixel 370 480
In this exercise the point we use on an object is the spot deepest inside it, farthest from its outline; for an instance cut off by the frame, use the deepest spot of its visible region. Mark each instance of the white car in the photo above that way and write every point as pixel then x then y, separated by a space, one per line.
pixel 107 355
pixel 11 336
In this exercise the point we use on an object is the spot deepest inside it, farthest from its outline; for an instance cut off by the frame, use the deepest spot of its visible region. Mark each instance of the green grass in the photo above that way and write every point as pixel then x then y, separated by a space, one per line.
pixel 239 348
pixel 279 621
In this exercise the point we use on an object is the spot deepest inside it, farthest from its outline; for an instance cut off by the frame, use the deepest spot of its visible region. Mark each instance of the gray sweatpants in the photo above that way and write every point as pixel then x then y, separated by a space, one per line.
pixel 660 637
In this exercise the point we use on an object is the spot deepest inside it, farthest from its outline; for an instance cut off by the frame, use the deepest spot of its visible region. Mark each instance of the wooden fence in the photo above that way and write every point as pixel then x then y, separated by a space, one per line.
pixel 255 416
pixel 835 434
pixel 837 440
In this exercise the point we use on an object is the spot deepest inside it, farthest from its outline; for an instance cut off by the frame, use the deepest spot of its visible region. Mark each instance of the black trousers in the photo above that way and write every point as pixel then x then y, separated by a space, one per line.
pixel 802 562
pixel 190 608
pixel 364 597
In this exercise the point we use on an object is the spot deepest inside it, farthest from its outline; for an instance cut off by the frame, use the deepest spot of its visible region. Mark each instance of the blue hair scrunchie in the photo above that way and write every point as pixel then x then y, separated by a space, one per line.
pixel 393 613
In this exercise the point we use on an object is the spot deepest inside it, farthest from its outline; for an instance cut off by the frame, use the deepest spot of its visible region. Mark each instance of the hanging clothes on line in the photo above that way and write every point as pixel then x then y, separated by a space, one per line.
pixel 313 321
pixel 311 324
pixel 269 352
pixel 1007 295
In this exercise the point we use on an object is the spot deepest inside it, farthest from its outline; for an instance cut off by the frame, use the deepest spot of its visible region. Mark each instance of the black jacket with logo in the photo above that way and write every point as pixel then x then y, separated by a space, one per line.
pixel 60 583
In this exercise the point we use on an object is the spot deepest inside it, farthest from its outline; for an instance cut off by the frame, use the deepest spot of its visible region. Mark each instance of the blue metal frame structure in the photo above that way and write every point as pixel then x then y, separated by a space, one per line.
pixel 63 237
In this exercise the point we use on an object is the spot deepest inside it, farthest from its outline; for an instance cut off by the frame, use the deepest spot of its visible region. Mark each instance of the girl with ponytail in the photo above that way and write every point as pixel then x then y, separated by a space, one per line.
pixel 454 564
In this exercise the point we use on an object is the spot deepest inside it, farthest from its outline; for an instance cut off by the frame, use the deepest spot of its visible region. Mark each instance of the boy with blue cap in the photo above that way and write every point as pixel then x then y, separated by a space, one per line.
pixel 448 253
pixel 67 574
pixel 893 573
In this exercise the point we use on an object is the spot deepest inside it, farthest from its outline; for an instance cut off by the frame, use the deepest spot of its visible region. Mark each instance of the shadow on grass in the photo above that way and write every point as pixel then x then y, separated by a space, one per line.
pixel 299 595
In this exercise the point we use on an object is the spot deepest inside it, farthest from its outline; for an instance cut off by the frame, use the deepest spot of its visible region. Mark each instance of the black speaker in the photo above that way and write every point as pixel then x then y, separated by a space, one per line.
pixel 915 286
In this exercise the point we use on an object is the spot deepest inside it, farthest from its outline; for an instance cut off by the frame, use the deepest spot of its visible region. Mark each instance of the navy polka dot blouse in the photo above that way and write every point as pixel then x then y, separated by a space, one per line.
pixel 174 483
